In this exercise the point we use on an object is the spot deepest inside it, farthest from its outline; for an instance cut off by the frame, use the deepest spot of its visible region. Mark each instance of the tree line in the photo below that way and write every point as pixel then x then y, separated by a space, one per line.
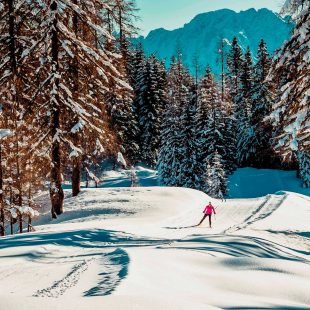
pixel 74 91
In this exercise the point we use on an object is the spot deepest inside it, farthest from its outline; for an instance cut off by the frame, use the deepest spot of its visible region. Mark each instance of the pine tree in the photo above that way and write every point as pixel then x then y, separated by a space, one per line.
pixel 189 167
pixel 230 130
pixel 245 131
pixel 228 106
pixel 121 111
pixel 216 177
pixel 210 124
pixel 137 65
pixel 152 104
pixel 263 97
pixel 120 16
pixel 235 65
pixel 172 143
pixel 290 116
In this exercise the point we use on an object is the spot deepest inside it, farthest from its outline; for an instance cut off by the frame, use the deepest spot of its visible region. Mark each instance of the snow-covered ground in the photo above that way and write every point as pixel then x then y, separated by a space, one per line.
pixel 124 248
pixel 252 182
pixel 244 183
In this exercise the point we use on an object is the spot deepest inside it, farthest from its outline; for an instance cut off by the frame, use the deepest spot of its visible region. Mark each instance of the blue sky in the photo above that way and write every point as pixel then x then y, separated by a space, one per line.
pixel 171 14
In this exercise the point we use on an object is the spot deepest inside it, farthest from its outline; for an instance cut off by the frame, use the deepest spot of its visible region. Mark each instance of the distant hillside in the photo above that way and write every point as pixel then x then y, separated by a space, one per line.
pixel 201 36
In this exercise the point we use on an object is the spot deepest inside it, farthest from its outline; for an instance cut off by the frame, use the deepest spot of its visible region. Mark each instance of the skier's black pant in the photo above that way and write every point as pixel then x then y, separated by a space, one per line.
pixel 204 217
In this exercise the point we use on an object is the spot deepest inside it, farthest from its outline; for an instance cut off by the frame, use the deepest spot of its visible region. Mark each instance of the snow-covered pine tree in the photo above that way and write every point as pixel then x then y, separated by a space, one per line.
pixel 234 65
pixel 263 98
pixel 166 160
pixel 120 16
pixel 290 116
pixel 136 77
pixel 153 100
pixel 123 119
pixel 210 124
pixel 245 131
pixel 216 177
pixel 229 132
pixel 171 150
pixel 304 167
pixel 294 7
pixel 190 173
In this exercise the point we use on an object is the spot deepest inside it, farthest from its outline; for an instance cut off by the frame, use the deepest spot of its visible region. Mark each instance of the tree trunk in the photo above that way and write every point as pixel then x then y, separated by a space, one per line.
pixel 12 42
pixel 20 222
pixel 76 176
pixel 86 176
pixel 77 162
pixel 56 191
pixel 11 224
pixel 2 231
pixel 29 224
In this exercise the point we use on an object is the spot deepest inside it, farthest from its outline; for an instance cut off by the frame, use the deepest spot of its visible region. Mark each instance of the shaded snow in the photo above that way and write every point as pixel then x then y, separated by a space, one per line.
pixel 251 183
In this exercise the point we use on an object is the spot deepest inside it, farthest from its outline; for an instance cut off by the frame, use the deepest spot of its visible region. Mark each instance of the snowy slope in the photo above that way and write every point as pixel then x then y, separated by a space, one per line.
pixel 121 248
pixel 201 35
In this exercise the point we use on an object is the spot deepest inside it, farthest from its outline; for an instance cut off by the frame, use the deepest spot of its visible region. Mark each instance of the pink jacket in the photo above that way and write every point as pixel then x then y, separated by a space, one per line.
pixel 209 210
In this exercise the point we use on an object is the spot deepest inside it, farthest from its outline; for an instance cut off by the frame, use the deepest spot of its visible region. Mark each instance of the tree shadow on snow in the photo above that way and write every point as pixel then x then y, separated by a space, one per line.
pixel 240 246
pixel 115 266
pixel 91 239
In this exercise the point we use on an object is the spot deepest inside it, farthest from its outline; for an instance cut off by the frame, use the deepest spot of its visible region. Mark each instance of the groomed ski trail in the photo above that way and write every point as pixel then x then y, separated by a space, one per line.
pixel 270 205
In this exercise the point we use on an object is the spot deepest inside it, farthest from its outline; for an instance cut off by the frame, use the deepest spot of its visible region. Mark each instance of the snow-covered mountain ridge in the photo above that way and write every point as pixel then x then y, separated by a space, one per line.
pixel 202 34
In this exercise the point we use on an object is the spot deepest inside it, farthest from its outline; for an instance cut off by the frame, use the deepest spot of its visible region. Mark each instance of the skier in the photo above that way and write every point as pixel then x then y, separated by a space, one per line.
pixel 208 211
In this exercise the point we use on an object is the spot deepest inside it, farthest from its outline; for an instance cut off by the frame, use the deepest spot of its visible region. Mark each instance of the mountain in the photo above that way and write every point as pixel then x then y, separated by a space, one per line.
pixel 201 36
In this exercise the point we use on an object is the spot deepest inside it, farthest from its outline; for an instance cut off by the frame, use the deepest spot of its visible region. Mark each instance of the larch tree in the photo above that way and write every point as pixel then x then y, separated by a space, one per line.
pixel 121 15
pixel 72 109
pixel 16 33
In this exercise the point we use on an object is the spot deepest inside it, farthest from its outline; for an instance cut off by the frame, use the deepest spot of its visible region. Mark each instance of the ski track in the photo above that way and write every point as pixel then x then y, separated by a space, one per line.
pixel 270 205
pixel 61 286
pixel 113 268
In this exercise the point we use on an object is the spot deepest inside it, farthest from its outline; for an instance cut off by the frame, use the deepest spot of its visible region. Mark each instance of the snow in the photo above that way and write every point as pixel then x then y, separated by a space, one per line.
pixel 5 133
pixel 122 178
pixel 252 182
pixel 121 159
pixel 243 183
pixel 121 248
